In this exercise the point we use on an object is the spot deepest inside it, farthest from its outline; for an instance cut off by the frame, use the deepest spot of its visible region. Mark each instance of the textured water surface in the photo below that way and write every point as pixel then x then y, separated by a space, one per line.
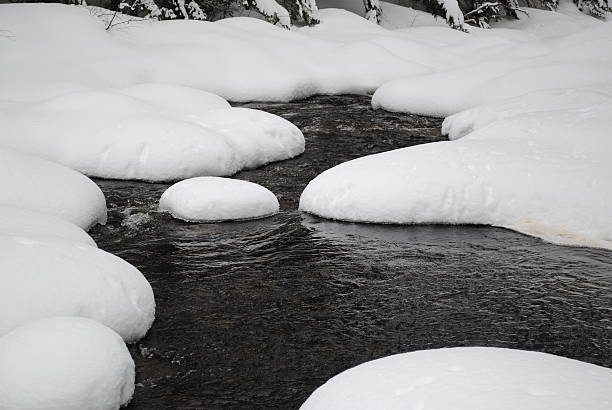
pixel 258 314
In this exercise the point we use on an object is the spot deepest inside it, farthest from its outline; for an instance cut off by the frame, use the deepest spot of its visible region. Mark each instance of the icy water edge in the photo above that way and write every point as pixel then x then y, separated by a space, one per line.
pixel 258 314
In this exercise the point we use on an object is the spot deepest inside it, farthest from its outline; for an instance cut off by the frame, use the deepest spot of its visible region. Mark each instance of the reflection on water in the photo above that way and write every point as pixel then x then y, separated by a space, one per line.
pixel 259 313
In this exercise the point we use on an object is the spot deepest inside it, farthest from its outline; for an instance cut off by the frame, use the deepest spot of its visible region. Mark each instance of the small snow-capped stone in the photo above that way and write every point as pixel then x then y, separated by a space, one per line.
pixel 214 199
pixel 64 363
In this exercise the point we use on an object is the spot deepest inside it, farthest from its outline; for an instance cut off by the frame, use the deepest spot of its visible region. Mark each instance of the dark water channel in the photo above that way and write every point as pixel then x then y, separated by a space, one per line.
pixel 258 314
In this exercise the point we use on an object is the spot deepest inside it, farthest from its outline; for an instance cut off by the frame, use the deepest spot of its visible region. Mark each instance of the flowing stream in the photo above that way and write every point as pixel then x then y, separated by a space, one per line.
pixel 258 314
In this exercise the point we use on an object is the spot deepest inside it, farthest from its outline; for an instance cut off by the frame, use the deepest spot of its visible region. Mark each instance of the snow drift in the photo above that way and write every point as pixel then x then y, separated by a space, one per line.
pixel 64 363
pixel 43 278
pixel 211 199
pixel 35 184
pixel 467 378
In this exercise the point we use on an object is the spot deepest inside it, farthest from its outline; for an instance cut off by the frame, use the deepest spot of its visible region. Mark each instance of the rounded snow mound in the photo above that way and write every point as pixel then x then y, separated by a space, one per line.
pixel 24 223
pixel 51 278
pixel 151 132
pixel 467 378
pixel 64 363
pixel 213 199
pixel 42 186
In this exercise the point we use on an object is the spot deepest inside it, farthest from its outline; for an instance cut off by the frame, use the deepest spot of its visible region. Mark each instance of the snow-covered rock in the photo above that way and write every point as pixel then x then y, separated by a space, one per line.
pixel 153 132
pixel 42 278
pixel 35 184
pixel 467 378
pixel 64 363
pixel 542 173
pixel 28 224
pixel 569 100
pixel 213 199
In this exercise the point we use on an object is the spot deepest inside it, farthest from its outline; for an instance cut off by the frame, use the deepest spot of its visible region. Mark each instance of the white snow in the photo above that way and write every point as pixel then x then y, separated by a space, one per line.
pixel 393 15
pixel 64 363
pixel 28 224
pixel 467 378
pixel 35 184
pixel 44 278
pixel 152 132
pixel 271 9
pixel 214 199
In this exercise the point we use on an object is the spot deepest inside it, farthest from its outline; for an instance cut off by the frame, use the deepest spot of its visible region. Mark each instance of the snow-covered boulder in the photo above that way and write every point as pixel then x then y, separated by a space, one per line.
pixel 467 378
pixel 43 278
pixel 153 132
pixel 566 99
pixel 28 224
pixel 32 183
pixel 64 363
pixel 213 199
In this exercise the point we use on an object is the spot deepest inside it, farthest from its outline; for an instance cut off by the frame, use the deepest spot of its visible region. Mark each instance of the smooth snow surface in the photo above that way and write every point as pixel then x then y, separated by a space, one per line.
pixel 468 378
pixel 27 224
pixel 35 184
pixel 44 278
pixel 152 132
pixel 64 363
pixel 213 199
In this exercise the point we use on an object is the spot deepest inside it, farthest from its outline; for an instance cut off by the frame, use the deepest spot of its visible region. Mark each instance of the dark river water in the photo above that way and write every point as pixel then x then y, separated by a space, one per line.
pixel 258 314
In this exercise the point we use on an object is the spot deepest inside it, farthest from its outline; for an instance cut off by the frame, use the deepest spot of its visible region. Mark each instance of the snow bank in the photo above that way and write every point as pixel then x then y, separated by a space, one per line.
pixel 467 378
pixel 28 224
pixel 541 173
pixel 211 199
pixel 42 186
pixel 52 278
pixel 508 63
pixel 150 132
pixel 241 59
pixel 64 363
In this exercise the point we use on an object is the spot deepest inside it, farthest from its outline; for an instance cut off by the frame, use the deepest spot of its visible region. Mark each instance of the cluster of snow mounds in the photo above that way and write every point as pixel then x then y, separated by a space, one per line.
pixel 467 378
pixel 64 363
pixel 42 186
pixel 529 119
pixel 240 58
pixel 213 199
pixel 153 132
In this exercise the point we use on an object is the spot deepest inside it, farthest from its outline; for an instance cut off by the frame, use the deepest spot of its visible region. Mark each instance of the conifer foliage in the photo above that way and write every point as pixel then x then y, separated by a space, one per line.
pixel 457 13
